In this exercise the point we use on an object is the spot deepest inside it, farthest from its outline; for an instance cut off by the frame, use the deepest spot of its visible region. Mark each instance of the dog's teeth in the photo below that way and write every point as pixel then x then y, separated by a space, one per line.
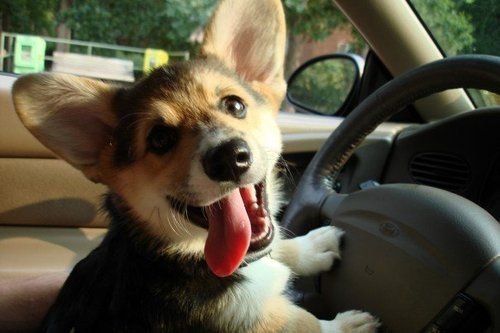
pixel 260 237
pixel 263 233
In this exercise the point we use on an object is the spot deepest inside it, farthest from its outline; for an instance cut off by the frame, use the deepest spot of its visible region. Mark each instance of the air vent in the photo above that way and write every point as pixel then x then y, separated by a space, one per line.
pixel 445 171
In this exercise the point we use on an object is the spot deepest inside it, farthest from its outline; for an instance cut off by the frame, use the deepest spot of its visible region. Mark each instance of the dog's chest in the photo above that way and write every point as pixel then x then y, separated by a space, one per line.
pixel 265 279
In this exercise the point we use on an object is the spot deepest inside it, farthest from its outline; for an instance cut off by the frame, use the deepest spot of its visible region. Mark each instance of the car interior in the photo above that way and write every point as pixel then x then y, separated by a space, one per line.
pixel 410 174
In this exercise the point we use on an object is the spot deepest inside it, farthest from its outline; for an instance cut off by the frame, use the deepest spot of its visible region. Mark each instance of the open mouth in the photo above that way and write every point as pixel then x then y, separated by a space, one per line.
pixel 238 226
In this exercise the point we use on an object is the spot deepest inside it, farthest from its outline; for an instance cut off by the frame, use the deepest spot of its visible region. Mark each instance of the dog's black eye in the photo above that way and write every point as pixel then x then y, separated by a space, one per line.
pixel 234 106
pixel 162 138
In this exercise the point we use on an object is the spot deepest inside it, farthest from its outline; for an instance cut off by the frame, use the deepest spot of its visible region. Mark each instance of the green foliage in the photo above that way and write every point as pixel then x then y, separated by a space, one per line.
pixel 464 26
pixel 165 24
pixel 451 26
pixel 324 85
pixel 313 19
pixel 169 23
pixel 485 16
pixel 316 20
pixel 29 17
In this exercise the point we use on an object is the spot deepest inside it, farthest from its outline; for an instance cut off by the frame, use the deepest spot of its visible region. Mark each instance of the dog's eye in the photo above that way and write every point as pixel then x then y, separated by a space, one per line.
pixel 162 138
pixel 234 106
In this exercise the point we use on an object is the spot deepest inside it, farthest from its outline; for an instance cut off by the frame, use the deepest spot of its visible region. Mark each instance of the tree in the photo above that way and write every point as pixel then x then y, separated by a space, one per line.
pixel 459 25
pixel 465 26
pixel 485 17
pixel 165 24
pixel 62 30
pixel 450 25
pixel 168 24
pixel 312 20
pixel 28 17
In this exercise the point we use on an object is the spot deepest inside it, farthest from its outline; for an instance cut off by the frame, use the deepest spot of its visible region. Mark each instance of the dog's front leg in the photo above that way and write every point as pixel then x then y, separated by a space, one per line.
pixel 312 253
pixel 283 316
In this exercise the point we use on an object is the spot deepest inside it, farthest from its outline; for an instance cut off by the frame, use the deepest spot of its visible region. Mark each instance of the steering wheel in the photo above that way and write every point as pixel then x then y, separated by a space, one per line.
pixel 419 258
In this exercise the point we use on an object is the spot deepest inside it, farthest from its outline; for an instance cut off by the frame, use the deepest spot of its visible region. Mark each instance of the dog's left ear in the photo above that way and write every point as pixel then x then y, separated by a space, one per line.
pixel 249 36
pixel 72 116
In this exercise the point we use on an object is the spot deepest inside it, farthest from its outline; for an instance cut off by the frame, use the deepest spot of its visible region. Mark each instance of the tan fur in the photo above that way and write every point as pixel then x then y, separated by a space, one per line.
pixel 282 316
pixel 52 94
pixel 287 252
pixel 82 121
pixel 251 63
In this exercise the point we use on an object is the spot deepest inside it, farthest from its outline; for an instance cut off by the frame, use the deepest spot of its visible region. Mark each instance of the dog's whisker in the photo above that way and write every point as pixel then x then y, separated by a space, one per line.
pixel 172 222
pixel 181 209
pixel 143 115
pixel 180 224
pixel 176 223
pixel 155 212
pixel 163 225
pixel 287 232
pixel 180 206
pixel 285 170
pixel 186 216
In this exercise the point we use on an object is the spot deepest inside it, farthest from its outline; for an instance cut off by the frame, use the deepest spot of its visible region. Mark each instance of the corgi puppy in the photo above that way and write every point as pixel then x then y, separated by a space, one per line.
pixel 188 155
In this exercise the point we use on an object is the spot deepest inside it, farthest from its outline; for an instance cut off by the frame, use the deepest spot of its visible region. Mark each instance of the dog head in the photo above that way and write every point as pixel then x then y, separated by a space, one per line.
pixel 190 149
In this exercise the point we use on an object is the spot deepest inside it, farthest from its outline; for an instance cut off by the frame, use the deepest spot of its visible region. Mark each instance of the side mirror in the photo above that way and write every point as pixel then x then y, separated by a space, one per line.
pixel 326 84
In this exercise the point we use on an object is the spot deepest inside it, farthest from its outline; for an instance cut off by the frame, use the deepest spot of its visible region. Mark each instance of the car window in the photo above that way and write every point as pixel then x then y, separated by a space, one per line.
pixel 123 40
pixel 112 40
pixel 464 27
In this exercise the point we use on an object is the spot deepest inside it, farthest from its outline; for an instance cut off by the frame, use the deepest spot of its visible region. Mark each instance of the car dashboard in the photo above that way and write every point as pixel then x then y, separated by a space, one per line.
pixel 460 154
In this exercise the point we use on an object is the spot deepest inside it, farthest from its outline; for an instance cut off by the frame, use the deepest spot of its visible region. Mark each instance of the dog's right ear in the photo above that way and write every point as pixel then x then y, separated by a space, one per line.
pixel 70 115
pixel 249 37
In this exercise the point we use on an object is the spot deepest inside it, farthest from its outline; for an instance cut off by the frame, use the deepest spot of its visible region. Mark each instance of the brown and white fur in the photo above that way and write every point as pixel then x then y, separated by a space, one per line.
pixel 132 281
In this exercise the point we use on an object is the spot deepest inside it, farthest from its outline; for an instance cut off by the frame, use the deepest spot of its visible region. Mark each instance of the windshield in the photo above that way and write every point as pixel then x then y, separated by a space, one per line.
pixel 464 27
pixel 121 41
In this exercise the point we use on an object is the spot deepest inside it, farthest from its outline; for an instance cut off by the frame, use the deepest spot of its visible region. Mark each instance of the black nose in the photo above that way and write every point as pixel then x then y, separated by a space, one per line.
pixel 228 161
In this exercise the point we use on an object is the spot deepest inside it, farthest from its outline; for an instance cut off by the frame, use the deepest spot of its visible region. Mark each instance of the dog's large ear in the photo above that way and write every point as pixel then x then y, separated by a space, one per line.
pixel 72 116
pixel 249 36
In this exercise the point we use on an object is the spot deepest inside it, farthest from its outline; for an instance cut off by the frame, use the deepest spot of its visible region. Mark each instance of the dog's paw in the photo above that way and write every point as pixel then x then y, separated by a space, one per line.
pixel 318 250
pixel 351 322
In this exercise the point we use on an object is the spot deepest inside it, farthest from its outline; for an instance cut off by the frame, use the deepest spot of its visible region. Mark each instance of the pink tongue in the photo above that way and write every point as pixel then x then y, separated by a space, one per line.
pixel 229 233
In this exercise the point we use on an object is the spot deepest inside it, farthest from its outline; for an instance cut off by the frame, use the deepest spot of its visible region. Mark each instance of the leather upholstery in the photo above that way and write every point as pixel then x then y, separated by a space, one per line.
pixel 49 216
pixel 36 188
pixel 31 251
pixel 47 192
